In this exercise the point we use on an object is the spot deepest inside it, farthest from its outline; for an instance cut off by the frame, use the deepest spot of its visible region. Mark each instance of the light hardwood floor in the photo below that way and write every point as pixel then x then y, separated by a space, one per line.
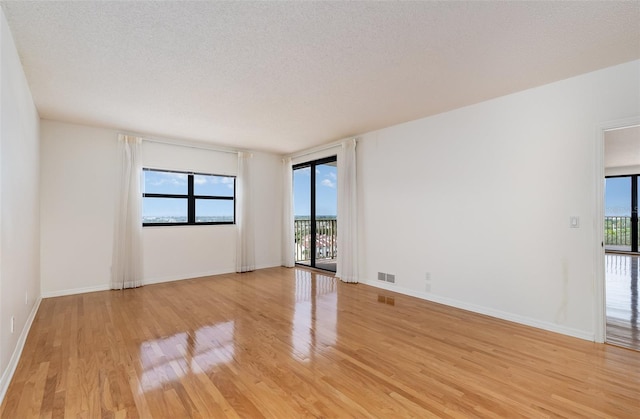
pixel 290 343
pixel 623 311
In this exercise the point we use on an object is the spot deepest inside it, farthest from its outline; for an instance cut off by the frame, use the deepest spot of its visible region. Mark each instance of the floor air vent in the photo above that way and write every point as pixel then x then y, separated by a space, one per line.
pixel 386 277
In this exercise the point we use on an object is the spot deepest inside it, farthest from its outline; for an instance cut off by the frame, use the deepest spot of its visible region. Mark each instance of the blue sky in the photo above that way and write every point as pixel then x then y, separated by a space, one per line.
pixel 617 193
pixel 618 196
pixel 326 192
pixel 176 183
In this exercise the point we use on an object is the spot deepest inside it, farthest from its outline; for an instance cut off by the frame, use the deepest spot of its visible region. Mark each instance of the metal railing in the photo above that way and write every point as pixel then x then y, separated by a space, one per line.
pixel 326 238
pixel 617 231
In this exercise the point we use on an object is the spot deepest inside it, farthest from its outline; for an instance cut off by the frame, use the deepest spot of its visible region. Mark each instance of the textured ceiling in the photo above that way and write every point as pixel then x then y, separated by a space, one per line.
pixel 284 76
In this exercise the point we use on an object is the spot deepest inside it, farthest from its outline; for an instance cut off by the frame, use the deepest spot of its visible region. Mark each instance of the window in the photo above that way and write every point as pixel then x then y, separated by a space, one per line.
pixel 621 213
pixel 183 198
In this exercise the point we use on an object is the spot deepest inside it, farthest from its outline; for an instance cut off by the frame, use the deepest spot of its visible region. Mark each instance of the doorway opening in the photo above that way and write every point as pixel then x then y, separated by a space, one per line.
pixel 621 236
pixel 315 213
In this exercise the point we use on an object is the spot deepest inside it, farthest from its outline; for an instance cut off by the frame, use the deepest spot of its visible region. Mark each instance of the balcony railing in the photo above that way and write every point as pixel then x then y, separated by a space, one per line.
pixel 326 235
pixel 617 231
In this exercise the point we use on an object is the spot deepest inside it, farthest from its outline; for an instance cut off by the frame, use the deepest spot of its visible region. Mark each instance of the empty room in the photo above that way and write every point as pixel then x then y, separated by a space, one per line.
pixel 294 209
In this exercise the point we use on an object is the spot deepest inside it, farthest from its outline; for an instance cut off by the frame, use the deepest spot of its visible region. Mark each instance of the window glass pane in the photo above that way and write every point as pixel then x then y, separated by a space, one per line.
pixel 618 196
pixel 302 214
pixel 617 220
pixel 326 190
pixel 165 182
pixel 214 211
pixel 213 185
pixel 326 220
pixel 164 210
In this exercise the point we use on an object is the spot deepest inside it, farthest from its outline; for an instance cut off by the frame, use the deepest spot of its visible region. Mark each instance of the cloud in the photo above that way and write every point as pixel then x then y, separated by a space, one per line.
pixel 159 179
pixel 332 175
pixel 213 180
pixel 228 181
pixel 328 183
pixel 199 180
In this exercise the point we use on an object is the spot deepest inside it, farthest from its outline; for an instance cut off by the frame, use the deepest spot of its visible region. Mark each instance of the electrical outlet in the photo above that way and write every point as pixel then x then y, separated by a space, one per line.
pixel 13 324
pixel 427 287
pixel 427 276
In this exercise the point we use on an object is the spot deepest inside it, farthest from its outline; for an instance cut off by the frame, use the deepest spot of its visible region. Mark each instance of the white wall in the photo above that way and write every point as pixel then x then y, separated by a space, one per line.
pixel 188 251
pixel 268 199
pixel 621 171
pixel 78 166
pixel 77 206
pixel 480 198
pixel 315 155
pixel 19 206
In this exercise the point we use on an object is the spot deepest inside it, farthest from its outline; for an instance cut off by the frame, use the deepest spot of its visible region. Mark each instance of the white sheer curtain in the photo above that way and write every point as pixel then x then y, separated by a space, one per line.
pixel 288 259
pixel 126 267
pixel 245 239
pixel 347 266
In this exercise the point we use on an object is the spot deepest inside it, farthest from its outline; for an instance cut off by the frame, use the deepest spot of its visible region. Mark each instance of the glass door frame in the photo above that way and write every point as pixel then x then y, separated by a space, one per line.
pixel 313 227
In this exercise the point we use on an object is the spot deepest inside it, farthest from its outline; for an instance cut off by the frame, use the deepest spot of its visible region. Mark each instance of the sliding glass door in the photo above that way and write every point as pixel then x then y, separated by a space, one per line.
pixel 315 211
pixel 302 214
pixel 621 213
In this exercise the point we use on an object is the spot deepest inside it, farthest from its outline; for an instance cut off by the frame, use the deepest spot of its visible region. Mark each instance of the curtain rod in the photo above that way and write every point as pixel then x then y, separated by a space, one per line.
pixel 318 149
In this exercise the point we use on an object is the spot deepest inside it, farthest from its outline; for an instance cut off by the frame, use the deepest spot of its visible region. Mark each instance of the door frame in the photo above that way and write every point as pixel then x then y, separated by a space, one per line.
pixel 600 297
pixel 312 210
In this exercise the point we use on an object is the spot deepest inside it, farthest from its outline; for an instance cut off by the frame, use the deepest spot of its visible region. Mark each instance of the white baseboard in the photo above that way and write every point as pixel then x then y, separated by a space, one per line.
pixel 7 375
pixel 516 318
pixel 269 265
pixel 106 287
pixel 160 280
pixel 149 281
pixel 73 291
pixel 171 278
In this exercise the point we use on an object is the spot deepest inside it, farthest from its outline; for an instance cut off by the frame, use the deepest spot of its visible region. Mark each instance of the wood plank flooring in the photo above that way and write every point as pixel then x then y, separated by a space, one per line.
pixel 291 343
pixel 623 311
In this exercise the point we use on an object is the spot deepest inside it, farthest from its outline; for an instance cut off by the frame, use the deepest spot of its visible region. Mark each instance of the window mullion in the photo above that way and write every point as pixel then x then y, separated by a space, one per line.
pixel 211 205
pixel 191 201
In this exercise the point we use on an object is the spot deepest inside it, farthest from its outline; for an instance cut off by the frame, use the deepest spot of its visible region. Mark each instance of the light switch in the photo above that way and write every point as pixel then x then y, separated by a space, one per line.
pixel 574 221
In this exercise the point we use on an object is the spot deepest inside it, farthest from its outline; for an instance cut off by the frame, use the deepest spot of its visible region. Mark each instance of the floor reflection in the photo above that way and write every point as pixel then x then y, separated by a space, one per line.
pixel 170 358
pixel 292 343
pixel 315 313
pixel 386 300
pixel 622 300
